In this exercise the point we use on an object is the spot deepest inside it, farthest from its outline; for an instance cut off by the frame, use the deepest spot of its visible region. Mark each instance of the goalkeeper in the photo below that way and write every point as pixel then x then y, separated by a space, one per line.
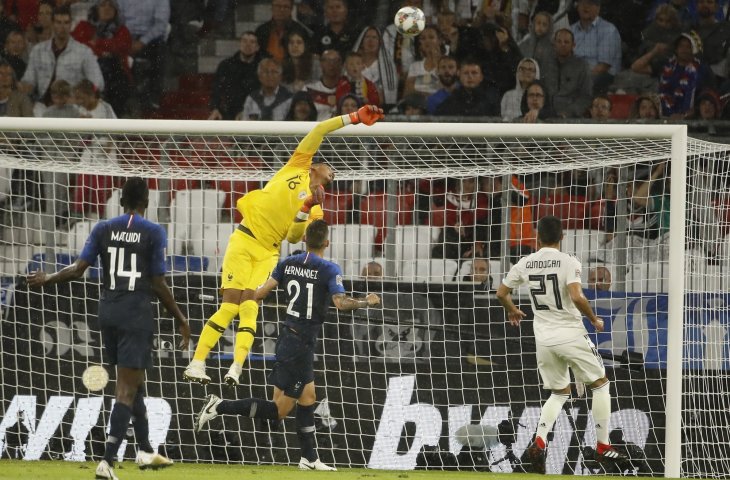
pixel 281 210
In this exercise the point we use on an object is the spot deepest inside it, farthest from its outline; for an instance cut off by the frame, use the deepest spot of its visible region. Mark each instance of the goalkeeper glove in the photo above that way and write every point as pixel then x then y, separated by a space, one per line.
pixel 368 114
pixel 316 198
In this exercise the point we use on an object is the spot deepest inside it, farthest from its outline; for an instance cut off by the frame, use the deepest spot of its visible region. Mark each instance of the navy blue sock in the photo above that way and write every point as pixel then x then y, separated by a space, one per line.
pixel 249 407
pixel 118 424
pixel 141 423
pixel 305 432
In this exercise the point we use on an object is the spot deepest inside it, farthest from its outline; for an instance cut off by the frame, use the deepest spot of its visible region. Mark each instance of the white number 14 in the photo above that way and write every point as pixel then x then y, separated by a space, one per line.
pixel 116 268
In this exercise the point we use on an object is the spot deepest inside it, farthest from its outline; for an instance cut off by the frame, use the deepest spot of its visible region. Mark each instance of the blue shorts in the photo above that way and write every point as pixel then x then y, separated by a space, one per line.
pixel 128 348
pixel 294 367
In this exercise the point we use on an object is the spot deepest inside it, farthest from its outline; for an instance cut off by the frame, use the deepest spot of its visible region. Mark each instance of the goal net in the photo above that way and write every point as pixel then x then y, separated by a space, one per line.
pixel 430 217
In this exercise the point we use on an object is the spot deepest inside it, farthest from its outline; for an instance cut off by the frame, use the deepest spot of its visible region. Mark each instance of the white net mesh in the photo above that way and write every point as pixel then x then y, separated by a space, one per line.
pixel 442 216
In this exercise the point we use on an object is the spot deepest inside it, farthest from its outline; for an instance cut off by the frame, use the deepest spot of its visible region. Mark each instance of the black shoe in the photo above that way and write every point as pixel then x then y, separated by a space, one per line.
pixel 612 457
pixel 533 459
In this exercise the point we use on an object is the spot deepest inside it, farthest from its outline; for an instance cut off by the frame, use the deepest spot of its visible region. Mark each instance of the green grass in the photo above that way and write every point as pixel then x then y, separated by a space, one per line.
pixel 55 470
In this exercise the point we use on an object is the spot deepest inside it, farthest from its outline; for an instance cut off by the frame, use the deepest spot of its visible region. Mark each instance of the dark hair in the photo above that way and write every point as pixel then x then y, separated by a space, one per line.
pixel 85 86
pixel 135 194
pixel 342 99
pixel 549 230
pixel 299 97
pixel 316 235
pixel 547 109
pixel 572 35
pixel 302 70
pixel 62 10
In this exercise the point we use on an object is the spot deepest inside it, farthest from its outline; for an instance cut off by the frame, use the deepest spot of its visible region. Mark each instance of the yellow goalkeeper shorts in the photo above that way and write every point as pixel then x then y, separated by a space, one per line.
pixel 246 264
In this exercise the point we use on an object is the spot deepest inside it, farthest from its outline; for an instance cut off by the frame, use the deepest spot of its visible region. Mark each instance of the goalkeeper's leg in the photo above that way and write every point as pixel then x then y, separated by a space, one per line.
pixel 248 311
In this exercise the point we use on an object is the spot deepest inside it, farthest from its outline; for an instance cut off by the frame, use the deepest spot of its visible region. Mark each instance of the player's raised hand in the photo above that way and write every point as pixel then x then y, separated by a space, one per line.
pixel 515 316
pixel 372 299
pixel 316 198
pixel 36 279
pixel 367 114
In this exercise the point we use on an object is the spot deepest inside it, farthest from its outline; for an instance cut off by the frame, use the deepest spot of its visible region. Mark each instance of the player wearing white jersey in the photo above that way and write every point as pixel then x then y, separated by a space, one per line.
pixel 562 342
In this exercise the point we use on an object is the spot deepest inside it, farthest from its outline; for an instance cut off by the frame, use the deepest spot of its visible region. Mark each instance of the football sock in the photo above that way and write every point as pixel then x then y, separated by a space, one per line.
pixel 118 423
pixel 249 407
pixel 214 328
pixel 549 414
pixel 247 314
pixel 601 407
pixel 141 423
pixel 305 431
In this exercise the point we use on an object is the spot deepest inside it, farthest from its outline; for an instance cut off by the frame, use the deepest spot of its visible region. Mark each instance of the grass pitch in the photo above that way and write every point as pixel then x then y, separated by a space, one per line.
pixel 55 470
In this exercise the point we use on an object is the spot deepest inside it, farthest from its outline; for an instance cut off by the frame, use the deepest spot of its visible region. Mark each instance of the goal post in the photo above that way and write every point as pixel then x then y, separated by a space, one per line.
pixel 398 382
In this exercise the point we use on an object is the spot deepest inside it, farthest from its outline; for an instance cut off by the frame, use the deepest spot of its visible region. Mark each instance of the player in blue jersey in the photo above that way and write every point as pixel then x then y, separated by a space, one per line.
pixel 132 253
pixel 310 282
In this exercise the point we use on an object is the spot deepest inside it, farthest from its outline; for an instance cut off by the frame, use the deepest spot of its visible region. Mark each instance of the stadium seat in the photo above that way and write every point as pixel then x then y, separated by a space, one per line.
pixel 430 271
pixel 77 235
pixel 621 105
pixel 651 277
pixel 413 242
pixel 114 208
pixel 569 208
pixel 211 240
pixel 584 244
pixel 185 264
pixel 373 210
pixel 336 206
pixel 192 207
pixel 351 242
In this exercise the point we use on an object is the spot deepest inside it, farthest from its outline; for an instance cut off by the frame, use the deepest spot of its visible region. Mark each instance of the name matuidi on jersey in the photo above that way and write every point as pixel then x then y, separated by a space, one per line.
pixel 301 272
pixel 128 237
pixel 543 264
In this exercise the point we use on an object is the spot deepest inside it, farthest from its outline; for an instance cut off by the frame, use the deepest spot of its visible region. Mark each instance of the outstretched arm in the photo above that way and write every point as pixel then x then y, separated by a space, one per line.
pixel 71 272
pixel 514 314
pixel 344 302
pixel 369 114
pixel 265 289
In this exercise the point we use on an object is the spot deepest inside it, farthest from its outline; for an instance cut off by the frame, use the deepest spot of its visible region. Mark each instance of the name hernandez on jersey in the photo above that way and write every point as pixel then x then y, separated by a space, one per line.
pixel 548 272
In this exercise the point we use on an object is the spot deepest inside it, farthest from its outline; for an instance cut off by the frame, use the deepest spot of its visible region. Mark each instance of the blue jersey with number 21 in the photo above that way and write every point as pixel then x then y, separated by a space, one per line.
pixel 132 251
pixel 309 281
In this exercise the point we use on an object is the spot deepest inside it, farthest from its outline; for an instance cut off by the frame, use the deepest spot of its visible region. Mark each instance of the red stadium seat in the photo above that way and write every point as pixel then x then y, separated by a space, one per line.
pixel 621 105
pixel 570 209
pixel 373 208
pixel 336 206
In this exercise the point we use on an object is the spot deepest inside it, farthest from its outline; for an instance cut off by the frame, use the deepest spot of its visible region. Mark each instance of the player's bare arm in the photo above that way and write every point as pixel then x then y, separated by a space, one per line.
pixel 581 303
pixel 264 290
pixel 72 272
pixel 344 302
pixel 160 288
pixel 514 314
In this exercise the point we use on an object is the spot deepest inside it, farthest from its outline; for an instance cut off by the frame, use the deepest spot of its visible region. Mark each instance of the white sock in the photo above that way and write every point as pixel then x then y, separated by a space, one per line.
pixel 549 414
pixel 601 406
pixel 195 363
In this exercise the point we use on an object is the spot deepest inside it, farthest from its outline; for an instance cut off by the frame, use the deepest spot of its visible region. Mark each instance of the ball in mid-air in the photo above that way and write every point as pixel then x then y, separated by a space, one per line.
pixel 410 21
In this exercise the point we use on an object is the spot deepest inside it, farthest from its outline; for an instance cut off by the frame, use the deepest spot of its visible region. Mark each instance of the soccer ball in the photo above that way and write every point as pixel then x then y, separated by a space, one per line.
pixel 410 21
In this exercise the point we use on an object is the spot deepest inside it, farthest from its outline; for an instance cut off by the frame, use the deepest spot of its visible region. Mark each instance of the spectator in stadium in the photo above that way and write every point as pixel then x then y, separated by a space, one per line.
pixel 646 107
pixel 527 72
pixel 401 49
pixel 379 66
pixel 600 110
pixel 686 11
pixel 302 108
pixel 413 104
pixel 715 36
pixel 13 103
pixel 655 49
pixel 270 215
pixel 42 29
pixel 521 222
pixel 446 24
pixel 235 78
pixel 598 43
pixel 61 106
pixel 272 100
pixel 300 65
pixel 464 209
pixel 682 77
pixel 337 31
pixel 15 52
pixel 539 45
pixel 61 58
pixel 708 105
pixel 125 315
pixel 423 74
pixel 448 72
pixel 147 22
pixel 323 90
pixel 372 270
pixel 649 205
pixel 353 82
pixel 347 104
pixel 272 33
pixel 599 279
pixel 561 342
pixel 535 104
pixel 6 25
pixel 293 372
pixel 473 97
pixel 500 56
pixel 111 42
pixel 571 85
pixel 90 103
pixel 91 191
pixel 479 274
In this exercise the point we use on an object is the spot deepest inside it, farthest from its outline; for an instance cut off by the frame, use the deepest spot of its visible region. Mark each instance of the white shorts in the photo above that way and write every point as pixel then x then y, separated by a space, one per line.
pixel 580 355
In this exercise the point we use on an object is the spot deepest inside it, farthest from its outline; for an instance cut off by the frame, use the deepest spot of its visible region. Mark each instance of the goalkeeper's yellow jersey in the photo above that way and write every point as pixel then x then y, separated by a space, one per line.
pixel 269 212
